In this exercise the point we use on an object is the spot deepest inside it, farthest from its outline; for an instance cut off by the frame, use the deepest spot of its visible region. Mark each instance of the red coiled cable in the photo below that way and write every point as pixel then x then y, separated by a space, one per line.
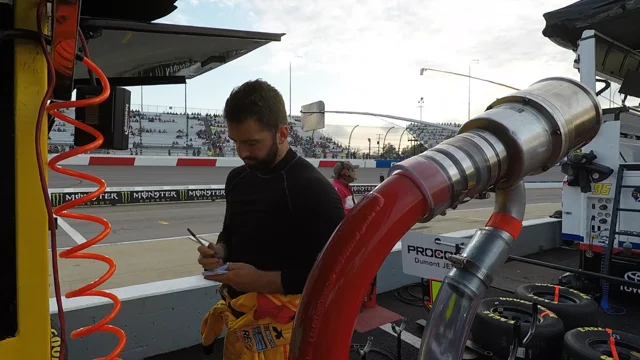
pixel 62 210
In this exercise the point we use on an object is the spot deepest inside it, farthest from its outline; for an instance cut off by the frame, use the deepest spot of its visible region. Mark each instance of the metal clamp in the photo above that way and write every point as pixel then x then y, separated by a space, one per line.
pixel 461 199
pixel 534 325
pixel 438 241
pixel 516 346
pixel 462 262
pixel 399 329
pixel 458 261
pixel 478 349
pixel 367 347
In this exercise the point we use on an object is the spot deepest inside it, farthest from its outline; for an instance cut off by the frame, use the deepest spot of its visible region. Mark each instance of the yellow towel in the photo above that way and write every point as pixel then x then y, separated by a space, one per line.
pixel 262 332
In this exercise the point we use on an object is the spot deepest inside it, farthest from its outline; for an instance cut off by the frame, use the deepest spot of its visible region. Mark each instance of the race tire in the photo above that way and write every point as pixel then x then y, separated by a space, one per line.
pixel 574 308
pixel 492 328
pixel 56 342
pixel 592 343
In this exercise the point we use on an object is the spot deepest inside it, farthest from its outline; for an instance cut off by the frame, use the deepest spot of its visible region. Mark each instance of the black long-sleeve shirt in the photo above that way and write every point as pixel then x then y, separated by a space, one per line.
pixel 280 220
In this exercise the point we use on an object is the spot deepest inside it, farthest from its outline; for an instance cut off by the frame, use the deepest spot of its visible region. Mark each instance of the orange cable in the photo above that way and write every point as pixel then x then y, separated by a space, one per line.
pixel 612 345
pixel 63 212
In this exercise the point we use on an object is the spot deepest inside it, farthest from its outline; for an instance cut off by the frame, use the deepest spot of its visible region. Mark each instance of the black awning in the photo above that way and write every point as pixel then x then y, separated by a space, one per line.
pixel 130 10
pixel 616 19
pixel 141 53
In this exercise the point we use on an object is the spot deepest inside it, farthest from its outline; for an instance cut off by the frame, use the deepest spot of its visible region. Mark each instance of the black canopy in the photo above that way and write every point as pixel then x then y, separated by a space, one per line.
pixel 139 53
pixel 128 10
pixel 616 19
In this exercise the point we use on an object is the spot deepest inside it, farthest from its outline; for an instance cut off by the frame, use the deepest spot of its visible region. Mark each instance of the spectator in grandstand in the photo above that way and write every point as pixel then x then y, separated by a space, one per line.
pixel 344 173
pixel 280 213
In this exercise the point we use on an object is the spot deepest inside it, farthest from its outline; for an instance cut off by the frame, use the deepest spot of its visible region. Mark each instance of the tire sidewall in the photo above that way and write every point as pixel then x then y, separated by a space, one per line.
pixel 495 333
pixel 576 342
pixel 582 313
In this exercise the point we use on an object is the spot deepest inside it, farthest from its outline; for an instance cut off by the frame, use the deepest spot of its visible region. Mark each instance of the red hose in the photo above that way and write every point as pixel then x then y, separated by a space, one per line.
pixel 332 298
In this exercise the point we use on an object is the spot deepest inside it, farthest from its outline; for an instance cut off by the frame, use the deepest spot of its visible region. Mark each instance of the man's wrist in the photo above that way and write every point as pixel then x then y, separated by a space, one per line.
pixel 269 282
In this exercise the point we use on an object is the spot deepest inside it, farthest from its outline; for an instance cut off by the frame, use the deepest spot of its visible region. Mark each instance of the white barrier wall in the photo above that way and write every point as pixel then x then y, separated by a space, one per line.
pixel 140 160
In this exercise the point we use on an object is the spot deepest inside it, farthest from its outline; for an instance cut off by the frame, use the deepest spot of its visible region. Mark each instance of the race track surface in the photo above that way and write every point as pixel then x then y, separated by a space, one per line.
pixel 123 176
pixel 150 243
pixel 141 222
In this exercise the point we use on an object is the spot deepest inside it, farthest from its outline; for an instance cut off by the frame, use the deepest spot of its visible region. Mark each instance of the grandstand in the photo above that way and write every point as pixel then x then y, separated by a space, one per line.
pixel 168 132
pixel 431 136
pixel 163 133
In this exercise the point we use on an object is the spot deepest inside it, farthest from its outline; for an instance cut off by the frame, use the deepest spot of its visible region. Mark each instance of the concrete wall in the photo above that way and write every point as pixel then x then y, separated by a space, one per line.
pixel 537 235
pixel 165 316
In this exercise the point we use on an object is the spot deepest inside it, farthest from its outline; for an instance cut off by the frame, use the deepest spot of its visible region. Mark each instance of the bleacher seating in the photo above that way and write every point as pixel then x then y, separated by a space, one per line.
pixel 165 133
pixel 314 144
pixel 431 136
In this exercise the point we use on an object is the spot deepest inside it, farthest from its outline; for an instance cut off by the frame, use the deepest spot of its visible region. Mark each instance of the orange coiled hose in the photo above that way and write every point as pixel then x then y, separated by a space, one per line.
pixel 63 212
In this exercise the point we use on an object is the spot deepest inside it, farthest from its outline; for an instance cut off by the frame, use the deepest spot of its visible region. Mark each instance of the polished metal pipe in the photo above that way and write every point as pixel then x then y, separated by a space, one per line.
pixel 511 200
pixel 522 134
pixel 540 125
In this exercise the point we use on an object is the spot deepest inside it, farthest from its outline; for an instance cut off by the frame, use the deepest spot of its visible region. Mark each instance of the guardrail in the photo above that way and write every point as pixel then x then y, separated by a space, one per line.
pixel 190 193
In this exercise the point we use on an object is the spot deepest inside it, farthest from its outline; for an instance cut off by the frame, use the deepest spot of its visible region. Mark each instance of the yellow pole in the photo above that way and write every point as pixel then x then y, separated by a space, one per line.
pixel 32 340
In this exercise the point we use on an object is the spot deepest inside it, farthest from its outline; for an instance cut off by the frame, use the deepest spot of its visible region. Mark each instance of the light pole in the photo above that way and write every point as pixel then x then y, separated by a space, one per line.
pixel 186 113
pixel 290 119
pixel 400 141
pixel 350 134
pixel 422 71
pixel 384 140
pixel 141 112
pixel 290 66
pixel 421 105
pixel 474 61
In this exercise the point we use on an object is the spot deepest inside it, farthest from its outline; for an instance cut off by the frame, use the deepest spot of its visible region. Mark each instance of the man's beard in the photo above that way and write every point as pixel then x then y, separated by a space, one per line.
pixel 266 161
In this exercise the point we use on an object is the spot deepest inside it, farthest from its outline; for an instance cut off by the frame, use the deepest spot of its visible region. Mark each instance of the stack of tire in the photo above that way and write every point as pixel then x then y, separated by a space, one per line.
pixel 566 329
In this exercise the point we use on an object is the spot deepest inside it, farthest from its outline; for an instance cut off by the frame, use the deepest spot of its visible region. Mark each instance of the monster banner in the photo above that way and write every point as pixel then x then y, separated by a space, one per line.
pixel 130 197
pixel 126 197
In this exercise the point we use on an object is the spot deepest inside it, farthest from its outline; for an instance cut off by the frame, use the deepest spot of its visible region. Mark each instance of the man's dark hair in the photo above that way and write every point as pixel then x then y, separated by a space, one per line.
pixel 259 100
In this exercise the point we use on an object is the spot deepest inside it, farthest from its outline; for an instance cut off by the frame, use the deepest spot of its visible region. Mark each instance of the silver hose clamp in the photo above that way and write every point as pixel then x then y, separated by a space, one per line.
pixel 463 263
